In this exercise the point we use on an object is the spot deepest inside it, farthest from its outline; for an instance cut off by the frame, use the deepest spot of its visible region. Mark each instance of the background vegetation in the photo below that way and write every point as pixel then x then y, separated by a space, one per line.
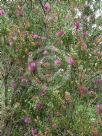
pixel 51 68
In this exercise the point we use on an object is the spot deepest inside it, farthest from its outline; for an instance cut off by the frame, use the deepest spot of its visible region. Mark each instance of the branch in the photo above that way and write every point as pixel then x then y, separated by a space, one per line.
pixel 42 7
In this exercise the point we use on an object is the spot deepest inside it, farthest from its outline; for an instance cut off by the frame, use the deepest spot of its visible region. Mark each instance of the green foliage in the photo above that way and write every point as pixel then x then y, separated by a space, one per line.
pixel 60 95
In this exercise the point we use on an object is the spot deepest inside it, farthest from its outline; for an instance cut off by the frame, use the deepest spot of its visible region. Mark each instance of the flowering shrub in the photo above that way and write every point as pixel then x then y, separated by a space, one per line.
pixel 51 67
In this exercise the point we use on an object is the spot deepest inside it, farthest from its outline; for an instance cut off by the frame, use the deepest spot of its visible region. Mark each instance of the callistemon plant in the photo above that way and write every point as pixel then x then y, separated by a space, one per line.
pixel 50 68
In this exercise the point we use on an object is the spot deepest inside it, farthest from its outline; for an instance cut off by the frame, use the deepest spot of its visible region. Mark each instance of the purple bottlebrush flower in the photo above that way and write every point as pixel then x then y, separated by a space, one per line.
pixel 27 120
pixel 58 62
pixel 47 7
pixel 2 12
pixel 44 91
pixel 60 33
pixel 85 47
pixel 71 61
pixel 39 106
pixel 20 11
pixel 34 132
pixel 45 52
pixel 77 25
pixel 14 85
pixel 98 81
pixel 99 108
pixel 35 36
pixel 32 66
pixel 83 90
pixel 23 80
pixel 85 34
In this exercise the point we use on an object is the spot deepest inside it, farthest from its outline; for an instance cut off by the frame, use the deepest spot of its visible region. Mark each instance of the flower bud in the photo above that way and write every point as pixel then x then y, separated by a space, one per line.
pixel 32 66
pixel 58 62
pixel 47 7
pixel 71 61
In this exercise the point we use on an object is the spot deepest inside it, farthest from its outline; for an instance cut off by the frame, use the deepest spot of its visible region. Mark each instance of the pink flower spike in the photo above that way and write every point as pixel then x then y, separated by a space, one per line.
pixel 98 81
pixel 34 131
pixel 47 7
pixel 32 67
pixel 60 33
pixel 85 34
pixel 35 36
pixel 43 38
pixel 99 108
pixel 27 120
pixel 2 12
pixel 77 25
pixel 58 62
pixel 14 85
pixel 45 52
pixel 71 61
pixel 85 47
pixel 83 90
pixel 23 80
pixel 39 106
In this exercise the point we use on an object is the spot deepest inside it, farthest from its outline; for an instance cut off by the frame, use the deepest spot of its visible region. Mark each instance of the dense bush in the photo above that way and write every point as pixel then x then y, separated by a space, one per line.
pixel 51 68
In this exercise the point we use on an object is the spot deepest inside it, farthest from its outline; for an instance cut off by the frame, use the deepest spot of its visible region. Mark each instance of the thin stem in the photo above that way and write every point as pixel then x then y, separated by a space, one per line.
pixel 45 16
